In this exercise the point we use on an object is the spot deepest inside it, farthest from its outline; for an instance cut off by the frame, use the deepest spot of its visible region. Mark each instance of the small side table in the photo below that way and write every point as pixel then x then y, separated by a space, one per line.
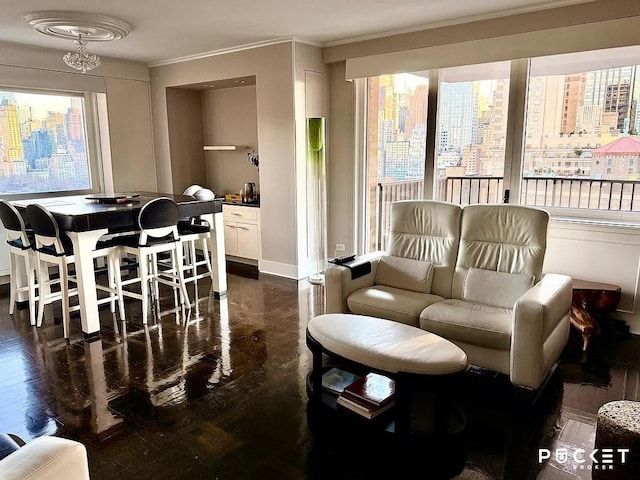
pixel 591 299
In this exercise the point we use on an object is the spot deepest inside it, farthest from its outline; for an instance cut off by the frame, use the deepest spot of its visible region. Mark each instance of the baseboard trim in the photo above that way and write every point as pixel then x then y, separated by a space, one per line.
pixel 279 269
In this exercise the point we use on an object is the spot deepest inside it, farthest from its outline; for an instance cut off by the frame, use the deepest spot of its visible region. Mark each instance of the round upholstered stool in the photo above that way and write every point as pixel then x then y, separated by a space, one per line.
pixel 617 430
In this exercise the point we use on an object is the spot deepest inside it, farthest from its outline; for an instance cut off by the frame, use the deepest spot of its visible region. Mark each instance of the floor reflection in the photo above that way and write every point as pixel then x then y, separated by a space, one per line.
pixel 218 391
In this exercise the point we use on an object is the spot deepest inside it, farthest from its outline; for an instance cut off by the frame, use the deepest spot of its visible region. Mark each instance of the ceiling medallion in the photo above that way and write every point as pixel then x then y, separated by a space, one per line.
pixel 81 27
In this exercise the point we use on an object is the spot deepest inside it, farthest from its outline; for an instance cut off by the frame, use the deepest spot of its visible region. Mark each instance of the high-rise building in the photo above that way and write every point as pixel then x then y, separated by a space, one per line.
pixel 43 144
pixel 618 100
pixel 73 120
pixel 458 115
pixel 10 131
pixel 417 107
pixel 573 100
pixel 25 115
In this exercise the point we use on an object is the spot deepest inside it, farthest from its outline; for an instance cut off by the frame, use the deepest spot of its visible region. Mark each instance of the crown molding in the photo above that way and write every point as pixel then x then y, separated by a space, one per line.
pixel 458 21
pixel 221 51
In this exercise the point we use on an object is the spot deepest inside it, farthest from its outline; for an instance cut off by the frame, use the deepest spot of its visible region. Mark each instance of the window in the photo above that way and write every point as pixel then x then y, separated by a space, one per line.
pixel 589 119
pixel 43 143
pixel 579 139
pixel 472 132
pixel 396 142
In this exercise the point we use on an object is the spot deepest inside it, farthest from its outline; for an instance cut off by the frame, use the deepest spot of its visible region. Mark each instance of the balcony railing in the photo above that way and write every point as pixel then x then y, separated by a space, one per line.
pixel 567 192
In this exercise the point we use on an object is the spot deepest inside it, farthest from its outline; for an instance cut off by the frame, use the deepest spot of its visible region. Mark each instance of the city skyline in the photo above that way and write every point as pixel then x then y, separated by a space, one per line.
pixel 43 144
pixel 568 117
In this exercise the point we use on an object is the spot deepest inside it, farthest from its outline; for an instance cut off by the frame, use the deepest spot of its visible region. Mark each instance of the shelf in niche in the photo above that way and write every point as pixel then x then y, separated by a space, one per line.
pixel 224 148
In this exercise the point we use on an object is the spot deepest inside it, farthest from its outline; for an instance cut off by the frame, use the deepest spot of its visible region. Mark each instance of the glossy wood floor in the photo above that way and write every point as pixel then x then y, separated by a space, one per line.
pixel 220 394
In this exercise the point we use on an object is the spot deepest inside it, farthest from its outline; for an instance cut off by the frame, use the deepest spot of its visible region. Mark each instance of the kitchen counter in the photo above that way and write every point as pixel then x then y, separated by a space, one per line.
pixel 256 204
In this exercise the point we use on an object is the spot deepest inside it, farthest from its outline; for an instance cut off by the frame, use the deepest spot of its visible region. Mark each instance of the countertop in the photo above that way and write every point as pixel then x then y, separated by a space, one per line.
pixel 255 205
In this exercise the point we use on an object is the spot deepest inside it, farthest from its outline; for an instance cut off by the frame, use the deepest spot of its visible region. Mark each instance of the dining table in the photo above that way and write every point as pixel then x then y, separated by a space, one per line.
pixel 87 218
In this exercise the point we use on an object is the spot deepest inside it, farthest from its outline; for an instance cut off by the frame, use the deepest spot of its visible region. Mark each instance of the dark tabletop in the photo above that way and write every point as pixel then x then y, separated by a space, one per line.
pixel 77 214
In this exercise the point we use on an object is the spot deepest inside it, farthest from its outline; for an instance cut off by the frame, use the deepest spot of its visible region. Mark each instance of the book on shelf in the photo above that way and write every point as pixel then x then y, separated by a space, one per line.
pixel 336 380
pixel 372 390
pixel 367 412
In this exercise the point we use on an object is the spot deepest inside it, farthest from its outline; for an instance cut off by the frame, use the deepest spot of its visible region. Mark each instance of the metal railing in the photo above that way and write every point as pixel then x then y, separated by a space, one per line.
pixel 567 192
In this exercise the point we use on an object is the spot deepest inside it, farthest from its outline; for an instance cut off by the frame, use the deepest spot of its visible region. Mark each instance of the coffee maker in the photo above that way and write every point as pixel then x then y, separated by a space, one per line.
pixel 249 192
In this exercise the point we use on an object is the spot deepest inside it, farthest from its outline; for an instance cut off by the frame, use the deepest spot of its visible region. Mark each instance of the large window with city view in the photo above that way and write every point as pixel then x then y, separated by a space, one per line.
pixel 472 130
pixel 396 142
pixel 43 143
pixel 582 148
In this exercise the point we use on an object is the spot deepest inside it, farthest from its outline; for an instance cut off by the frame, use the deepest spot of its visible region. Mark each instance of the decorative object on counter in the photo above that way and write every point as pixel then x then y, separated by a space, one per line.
pixel 316 198
pixel 249 192
pixel 81 27
pixel 254 159
pixel 233 197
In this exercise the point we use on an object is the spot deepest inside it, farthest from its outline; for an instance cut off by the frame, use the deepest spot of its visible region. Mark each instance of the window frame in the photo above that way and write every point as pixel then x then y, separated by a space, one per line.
pixel 92 135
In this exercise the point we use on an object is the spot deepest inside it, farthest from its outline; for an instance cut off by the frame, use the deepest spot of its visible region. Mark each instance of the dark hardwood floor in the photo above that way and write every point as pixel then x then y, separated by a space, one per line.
pixel 220 394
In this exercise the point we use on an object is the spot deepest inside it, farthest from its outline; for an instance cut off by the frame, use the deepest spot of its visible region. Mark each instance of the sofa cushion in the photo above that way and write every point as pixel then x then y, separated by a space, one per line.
pixel 473 323
pixel 405 273
pixel 499 289
pixel 391 303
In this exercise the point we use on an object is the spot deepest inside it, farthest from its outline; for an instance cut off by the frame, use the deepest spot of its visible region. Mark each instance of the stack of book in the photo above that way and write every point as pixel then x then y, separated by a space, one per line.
pixel 369 395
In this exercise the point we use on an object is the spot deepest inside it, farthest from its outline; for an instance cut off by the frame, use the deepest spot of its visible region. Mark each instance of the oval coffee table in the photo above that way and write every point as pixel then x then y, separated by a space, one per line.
pixel 410 355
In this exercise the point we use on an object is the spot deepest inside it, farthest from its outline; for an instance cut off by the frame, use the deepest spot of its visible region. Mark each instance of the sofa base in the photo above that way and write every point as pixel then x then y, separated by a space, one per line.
pixel 529 396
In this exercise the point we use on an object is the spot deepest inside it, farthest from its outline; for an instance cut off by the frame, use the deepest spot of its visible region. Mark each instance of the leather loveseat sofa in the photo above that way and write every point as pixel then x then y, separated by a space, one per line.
pixel 472 275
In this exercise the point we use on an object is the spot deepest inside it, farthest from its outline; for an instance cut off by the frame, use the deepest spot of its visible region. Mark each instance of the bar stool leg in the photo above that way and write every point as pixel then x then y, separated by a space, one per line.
pixel 143 262
pixel 118 275
pixel 111 272
pixel 205 251
pixel 13 280
pixel 44 288
pixel 193 262
pixel 64 291
pixel 31 283
pixel 177 255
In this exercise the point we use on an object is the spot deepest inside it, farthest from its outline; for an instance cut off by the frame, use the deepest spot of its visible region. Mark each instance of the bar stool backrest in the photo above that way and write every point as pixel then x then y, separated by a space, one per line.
pixel 14 225
pixel 158 219
pixel 191 189
pixel 45 227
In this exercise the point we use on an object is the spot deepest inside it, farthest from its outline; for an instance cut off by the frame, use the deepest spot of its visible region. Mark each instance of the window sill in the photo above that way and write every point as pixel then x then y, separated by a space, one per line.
pixel 595 222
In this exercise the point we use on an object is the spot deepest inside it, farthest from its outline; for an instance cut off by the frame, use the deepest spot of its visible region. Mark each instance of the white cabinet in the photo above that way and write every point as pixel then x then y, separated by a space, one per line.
pixel 242 231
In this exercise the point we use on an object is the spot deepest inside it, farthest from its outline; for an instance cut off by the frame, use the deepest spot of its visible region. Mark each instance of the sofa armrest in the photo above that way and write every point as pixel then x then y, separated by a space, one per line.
pixel 541 314
pixel 46 458
pixel 339 284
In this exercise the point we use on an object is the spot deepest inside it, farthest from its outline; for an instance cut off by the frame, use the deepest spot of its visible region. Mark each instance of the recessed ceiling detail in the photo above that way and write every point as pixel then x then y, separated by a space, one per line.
pixel 65 24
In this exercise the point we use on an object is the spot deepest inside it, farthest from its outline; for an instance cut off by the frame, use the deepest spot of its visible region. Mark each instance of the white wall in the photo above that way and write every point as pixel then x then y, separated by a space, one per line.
pixel 186 137
pixel 230 118
pixel 600 253
pixel 311 100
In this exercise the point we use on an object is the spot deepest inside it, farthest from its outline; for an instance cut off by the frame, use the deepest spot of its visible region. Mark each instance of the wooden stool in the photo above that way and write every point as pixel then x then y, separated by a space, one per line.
pixel 591 299
pixel 618 427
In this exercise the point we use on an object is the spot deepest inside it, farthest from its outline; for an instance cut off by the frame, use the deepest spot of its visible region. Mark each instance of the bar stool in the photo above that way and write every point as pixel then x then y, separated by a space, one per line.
pixel 21 246
pixel 52 248
pixel 192 231
pixel 157 222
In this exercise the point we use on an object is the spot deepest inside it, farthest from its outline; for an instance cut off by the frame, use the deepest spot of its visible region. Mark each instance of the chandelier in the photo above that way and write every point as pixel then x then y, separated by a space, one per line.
pixel 81 27
pixel 81 60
